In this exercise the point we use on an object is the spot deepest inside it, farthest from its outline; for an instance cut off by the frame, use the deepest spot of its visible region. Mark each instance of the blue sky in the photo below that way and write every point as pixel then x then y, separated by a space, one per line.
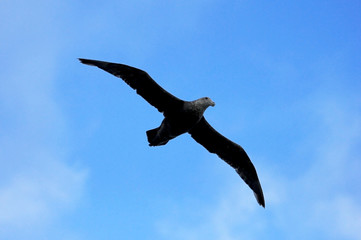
pixel 75 163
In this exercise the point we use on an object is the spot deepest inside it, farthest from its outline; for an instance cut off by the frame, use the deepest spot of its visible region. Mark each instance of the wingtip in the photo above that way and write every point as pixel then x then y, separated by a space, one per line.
pixel 255 185
pixel 86 61
pixel 260 199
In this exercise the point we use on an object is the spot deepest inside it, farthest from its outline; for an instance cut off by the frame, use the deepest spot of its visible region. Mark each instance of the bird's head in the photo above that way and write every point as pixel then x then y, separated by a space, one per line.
pixel 200 105
pixel 209 101
pixel 206 102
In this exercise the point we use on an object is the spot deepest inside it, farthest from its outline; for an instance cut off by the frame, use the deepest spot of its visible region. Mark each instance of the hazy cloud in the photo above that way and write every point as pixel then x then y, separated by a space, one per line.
pixel 37 181
pixel 322 202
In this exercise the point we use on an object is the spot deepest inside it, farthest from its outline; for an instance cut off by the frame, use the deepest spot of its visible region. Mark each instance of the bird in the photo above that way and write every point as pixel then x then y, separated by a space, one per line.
pixel 181 117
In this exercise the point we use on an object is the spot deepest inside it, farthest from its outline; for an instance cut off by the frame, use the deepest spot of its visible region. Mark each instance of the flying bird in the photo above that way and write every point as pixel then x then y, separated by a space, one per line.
pixel 182 116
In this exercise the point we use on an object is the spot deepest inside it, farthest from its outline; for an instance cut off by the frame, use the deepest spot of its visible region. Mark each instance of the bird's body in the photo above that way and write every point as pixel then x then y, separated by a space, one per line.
pixel 179 121
pixel 184 116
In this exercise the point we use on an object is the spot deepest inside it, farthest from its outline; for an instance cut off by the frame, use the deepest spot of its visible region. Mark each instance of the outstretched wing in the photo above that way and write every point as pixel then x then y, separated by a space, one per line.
pixel 231 153
pixel 141 82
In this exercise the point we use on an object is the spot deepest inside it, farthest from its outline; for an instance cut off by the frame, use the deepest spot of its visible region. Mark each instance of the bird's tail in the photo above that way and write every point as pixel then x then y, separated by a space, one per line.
pixel 154 139
pixel 151 134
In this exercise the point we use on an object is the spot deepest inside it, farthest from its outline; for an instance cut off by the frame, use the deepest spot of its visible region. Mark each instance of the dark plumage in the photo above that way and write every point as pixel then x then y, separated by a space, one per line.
pixel 184 116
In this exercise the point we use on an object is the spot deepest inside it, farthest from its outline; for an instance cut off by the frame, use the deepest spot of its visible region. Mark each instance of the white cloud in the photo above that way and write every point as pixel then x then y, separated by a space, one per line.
pixel 320 203
pixel 340 216
pixel 32 198
pixel 37 183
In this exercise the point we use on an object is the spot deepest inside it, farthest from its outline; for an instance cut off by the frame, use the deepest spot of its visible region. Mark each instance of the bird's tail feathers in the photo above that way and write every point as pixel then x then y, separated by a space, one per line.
pixel 151 135
pixel 154 139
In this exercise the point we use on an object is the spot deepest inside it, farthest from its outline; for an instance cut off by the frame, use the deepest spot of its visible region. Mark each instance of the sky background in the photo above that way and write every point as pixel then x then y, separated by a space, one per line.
pixel 74 159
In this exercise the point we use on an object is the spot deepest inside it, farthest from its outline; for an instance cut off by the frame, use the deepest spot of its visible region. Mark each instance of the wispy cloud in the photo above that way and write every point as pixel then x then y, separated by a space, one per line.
pixel 321 202
pixel 37 183
pixel 30 199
